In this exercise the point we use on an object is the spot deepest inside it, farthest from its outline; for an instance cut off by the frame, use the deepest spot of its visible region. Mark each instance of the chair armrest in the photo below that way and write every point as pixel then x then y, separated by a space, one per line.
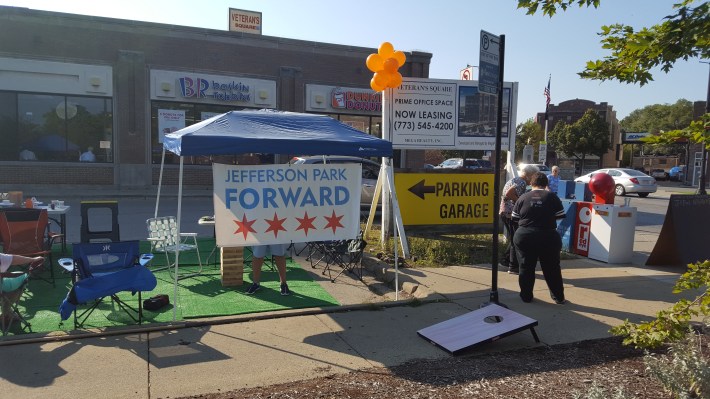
pixel 52 237
pixel 145 259
pixel 188 234
pixel 154 239
pixel 66 264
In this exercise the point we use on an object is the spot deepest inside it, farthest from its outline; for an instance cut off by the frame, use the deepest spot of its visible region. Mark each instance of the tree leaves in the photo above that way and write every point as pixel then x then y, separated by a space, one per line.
pixel 683 35
pixel 670 325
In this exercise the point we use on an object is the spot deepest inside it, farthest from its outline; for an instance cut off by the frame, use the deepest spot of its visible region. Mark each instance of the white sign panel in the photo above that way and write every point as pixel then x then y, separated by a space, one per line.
pixel 273 204
pixel 466 73
pixel 542 154
pixel 447 114
pixel 169 120
pixel 244 21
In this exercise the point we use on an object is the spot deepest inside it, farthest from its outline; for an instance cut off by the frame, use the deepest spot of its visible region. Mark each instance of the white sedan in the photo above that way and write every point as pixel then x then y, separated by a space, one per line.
pixel 626 181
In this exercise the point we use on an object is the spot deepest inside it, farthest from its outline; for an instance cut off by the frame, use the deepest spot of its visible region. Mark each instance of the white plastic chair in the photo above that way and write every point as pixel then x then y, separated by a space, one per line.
pixel 161 235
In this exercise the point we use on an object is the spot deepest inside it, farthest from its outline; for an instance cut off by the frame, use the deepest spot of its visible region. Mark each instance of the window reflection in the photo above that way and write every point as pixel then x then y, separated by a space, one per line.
pixel 54 128
pixel 195 113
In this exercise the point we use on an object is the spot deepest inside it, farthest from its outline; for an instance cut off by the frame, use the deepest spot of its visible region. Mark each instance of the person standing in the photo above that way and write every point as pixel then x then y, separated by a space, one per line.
pixel 278 251
pixel 554 180
pixel 11 285
pixel 512 190
pixel 88 155
pixel 536 238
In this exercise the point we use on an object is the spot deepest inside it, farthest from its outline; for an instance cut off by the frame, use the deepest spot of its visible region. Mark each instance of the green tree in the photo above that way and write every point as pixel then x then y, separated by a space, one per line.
pixel 659 118
pixel 682 35
pixel 528 132
pixel 589 135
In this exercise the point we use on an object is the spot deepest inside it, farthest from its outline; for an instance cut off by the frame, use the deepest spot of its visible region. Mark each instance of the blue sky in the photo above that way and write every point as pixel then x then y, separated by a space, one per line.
pixel 536 46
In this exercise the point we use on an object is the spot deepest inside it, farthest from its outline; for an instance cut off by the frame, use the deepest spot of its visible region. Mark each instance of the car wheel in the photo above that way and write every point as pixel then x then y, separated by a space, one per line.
pixel 619 190
pixel 643 195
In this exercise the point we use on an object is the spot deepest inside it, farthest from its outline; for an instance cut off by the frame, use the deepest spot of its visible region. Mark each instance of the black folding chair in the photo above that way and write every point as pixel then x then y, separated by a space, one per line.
pixel 345 254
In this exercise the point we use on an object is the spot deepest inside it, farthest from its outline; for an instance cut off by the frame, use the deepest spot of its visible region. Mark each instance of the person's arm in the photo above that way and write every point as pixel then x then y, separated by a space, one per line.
pixel 511 194
pixel 22 260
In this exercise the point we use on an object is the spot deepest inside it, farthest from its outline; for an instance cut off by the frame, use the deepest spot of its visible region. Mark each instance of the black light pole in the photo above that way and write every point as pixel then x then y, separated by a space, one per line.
pixel 703 159
pixel 493 298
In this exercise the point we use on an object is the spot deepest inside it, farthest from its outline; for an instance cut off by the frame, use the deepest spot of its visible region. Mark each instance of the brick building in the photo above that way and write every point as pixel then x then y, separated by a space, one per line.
pixel 72 84
pixel 571 111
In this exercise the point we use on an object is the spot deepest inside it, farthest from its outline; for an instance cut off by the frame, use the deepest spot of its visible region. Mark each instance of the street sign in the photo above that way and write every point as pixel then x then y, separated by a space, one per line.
pixel 489 63
pixel 542 155
pixel 467 73
pixel 445 198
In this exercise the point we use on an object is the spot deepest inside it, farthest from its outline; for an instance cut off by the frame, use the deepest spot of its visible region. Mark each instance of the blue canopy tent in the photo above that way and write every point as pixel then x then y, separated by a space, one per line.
pixel 266 131
pixel 274 132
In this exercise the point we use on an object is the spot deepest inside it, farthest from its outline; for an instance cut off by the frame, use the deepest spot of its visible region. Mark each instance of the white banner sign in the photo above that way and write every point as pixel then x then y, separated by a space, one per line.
pixel 169 120
pixel 272 204
pixel 447 114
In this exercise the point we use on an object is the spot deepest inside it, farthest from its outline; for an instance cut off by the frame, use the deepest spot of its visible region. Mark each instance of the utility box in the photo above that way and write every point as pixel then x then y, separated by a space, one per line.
pixel 612 233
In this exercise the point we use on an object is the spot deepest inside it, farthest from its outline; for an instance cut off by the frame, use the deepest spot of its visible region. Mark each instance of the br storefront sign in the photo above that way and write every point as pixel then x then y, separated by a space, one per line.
pixel 440 199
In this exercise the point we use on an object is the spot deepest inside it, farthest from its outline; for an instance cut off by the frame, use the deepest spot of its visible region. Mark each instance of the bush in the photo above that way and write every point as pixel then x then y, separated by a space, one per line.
pixel 683 372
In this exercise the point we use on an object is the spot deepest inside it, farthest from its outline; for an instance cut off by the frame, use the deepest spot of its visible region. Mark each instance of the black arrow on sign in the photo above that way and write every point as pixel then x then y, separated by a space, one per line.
pixel 420 189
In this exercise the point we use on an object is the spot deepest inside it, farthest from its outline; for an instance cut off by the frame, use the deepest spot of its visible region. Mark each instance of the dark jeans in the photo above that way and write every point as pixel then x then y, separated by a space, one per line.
pixel 510 254
pixel 544 245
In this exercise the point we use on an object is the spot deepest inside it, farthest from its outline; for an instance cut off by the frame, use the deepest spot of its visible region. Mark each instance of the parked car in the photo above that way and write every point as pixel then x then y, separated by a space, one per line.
pixel 677 173
pixel 659 174
pixel 626 181
pixel 370 171
pixel 540 167
pixel 468 163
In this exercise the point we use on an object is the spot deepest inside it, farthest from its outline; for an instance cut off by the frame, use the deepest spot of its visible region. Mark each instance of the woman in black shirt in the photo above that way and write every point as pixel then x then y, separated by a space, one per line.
pixel 537 239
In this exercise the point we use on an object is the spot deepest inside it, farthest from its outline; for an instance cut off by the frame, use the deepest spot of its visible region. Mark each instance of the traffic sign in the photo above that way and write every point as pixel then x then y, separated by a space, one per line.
pixel 445 198
pixel 489 63
pixel 467 73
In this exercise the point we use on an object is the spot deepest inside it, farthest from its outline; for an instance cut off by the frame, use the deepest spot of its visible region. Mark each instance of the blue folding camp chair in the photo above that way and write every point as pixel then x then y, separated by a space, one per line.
pixel 101 270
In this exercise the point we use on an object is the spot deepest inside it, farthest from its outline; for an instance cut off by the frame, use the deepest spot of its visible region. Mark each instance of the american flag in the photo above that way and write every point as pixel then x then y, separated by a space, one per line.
pixel 547 94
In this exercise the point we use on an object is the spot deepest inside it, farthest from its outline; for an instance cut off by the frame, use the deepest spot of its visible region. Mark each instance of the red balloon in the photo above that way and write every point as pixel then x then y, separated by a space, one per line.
pixel 602 186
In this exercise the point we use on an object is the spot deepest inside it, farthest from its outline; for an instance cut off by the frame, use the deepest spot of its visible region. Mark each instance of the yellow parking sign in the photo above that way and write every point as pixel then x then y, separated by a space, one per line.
pixel 438 198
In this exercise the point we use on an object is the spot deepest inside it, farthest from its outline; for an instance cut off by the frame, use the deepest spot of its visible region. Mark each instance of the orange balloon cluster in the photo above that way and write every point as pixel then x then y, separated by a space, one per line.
pixel 385 65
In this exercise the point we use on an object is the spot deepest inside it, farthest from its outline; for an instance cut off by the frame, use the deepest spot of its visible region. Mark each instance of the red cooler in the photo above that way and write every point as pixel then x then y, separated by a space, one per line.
pixel 582 228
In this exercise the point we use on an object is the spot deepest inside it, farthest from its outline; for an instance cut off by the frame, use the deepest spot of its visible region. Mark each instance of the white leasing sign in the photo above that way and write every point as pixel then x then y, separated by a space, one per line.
pixel 447 114
pixel 273 204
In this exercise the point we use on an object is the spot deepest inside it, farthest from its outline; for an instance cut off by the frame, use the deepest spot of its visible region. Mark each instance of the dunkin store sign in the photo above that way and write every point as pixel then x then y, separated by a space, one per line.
pixel 338 99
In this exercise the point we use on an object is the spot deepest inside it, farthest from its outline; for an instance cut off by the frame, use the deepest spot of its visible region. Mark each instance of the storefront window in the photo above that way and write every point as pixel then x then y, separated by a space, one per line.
pixel 168 117
pixel 55 128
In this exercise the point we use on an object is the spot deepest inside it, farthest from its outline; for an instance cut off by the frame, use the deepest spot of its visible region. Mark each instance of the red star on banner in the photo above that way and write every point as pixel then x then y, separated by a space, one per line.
pixel 306 223
pixel 245 226
pixel 275 225
pixel 333 222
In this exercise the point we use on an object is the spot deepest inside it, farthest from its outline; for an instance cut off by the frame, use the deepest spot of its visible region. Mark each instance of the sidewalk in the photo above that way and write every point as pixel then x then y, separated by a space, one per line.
pixel 223 354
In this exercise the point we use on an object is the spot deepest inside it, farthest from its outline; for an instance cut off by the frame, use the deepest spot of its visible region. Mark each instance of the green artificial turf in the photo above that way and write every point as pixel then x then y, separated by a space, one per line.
pixel 199 296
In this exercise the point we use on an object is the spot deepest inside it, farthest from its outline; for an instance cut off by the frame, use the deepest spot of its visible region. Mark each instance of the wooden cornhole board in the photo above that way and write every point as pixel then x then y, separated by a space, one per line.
pixel 471 329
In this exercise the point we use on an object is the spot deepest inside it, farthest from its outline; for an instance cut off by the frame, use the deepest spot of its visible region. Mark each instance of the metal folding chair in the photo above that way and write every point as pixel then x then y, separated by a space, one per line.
pixel 162 237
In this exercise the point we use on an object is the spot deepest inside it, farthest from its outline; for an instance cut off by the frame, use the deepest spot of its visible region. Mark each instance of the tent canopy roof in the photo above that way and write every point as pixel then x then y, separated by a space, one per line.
pixel 274 132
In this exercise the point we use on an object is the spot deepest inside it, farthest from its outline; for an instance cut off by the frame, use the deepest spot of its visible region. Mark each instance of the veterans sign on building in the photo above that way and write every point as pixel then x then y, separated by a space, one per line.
pixel 272 204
